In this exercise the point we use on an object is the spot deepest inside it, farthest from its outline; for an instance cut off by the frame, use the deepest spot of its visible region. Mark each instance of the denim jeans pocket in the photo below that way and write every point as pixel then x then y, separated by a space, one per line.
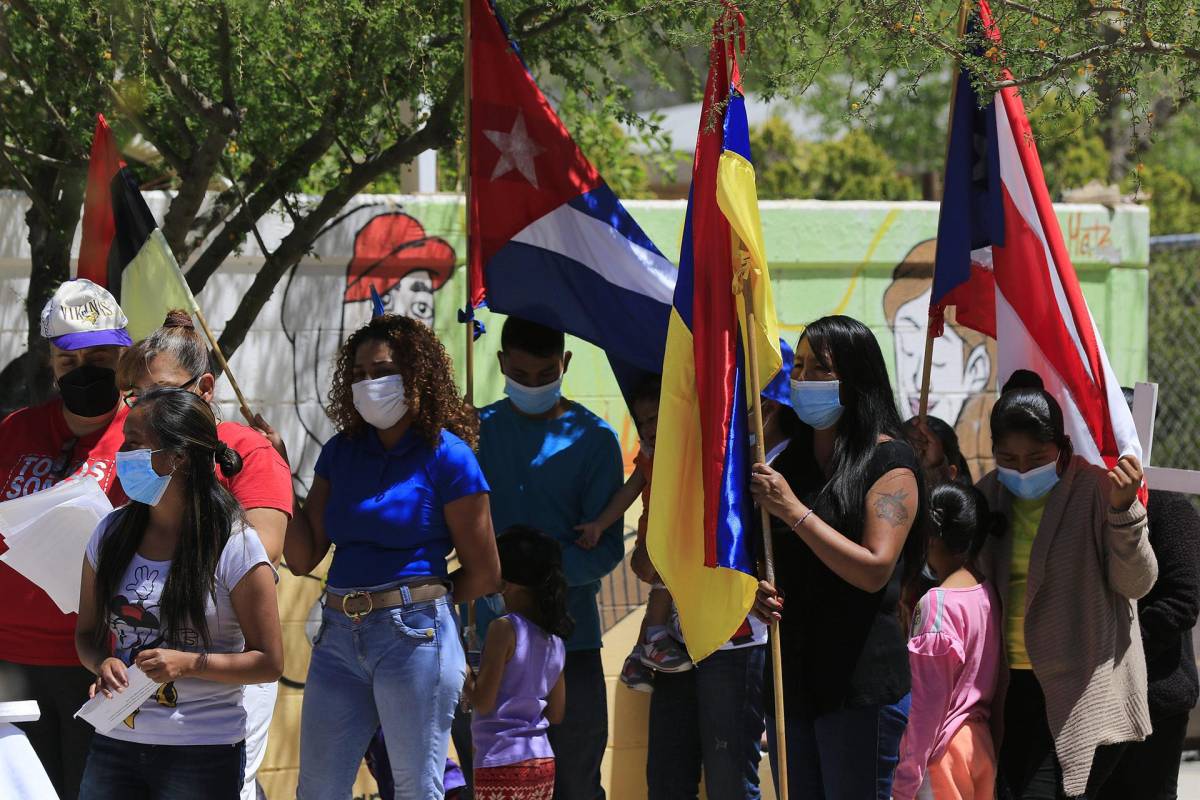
pixel 416 624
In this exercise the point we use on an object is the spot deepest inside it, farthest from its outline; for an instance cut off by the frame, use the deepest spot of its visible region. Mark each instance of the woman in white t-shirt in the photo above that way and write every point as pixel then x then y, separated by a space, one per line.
pixel 176 585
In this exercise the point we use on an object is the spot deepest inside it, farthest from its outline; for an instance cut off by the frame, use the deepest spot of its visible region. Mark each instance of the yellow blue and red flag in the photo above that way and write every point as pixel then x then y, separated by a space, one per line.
pixel 701 530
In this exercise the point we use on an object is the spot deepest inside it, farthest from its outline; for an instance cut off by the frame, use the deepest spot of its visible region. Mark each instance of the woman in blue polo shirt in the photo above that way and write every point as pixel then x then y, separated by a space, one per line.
pixel 396 490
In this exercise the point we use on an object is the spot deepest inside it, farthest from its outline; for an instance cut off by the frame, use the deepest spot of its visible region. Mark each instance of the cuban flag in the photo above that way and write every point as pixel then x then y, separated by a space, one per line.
pixel 550 242
pixel 1002 262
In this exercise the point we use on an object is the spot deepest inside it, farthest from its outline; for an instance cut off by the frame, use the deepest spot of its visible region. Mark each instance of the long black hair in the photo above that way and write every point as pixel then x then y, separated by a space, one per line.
pixel 531 559
pixel 847 347
pixel 184 425
pixel 959 516
pixel 1026 407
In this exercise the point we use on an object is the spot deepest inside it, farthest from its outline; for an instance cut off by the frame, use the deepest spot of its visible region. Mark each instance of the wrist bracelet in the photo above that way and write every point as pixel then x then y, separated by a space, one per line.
pixel 800 521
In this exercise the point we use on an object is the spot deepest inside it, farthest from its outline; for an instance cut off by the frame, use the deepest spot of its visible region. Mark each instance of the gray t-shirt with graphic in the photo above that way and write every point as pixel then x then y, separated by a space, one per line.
pixel 190 710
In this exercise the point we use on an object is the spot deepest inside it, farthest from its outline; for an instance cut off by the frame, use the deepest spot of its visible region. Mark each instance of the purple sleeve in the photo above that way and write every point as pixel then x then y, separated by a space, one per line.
pixel 935 658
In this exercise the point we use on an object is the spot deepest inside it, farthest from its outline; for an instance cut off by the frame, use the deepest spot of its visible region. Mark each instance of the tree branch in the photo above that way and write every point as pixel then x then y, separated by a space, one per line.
pixel 181 86
pixel 185 205
pixel 38 22
pixel 26 186
pixel 1146 46
pixel 277 183
pixel 226 50
pixel 435 134
pixel 44 160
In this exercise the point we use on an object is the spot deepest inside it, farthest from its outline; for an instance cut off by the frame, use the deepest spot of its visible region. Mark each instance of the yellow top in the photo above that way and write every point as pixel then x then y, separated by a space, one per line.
pixel 1026 516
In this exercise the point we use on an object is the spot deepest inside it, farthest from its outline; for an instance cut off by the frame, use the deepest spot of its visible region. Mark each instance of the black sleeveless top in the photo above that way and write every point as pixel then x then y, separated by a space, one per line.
pixel 842 647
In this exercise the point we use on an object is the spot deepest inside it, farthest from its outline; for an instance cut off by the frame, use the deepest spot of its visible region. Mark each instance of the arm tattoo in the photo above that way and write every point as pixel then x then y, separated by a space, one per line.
pixel 890 507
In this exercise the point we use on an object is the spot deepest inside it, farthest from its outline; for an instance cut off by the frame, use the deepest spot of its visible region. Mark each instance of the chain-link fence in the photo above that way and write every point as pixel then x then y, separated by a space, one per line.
pixel 1174 348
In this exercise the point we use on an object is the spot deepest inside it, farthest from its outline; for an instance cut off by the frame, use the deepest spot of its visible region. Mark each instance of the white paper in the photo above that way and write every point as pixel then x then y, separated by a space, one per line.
pixel 105 713
pixel 47 534
pixel 20 711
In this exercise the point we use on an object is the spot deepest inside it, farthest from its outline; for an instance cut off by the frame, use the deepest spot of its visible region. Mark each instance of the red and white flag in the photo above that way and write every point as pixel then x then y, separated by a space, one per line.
pixel 1001 260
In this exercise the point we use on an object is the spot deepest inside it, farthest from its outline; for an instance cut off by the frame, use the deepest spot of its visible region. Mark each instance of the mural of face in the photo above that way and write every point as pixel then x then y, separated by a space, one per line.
pixel 411 297
pixel 957 373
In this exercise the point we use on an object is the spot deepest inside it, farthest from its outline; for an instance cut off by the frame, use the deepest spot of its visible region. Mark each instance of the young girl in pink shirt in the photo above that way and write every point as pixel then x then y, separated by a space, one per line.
pixel 955 656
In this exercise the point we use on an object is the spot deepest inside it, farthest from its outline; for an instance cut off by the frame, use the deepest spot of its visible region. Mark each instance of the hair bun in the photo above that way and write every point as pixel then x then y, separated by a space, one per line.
pixel 228 460
pixel 1024 379
pixel 178 318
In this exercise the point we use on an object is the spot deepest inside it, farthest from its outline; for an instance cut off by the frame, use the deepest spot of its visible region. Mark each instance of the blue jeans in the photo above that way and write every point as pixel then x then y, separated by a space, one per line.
pixel 401 669
pixel 580 740
pixel 118 770
pixel 711 715
pixel 844 755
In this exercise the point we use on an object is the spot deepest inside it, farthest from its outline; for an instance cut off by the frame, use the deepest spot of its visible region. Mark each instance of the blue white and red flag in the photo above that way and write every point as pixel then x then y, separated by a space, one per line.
pixel 550 241
pixel 1003 264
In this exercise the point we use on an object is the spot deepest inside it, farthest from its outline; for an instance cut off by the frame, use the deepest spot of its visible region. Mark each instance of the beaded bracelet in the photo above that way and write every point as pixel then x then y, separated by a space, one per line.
pixel 800 521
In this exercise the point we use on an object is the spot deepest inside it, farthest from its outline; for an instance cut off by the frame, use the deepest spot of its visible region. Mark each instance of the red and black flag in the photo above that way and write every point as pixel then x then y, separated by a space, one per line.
pixel 122 247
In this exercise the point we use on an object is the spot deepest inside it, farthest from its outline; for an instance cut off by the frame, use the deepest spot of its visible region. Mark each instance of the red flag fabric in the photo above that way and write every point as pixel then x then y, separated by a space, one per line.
pixel 98 224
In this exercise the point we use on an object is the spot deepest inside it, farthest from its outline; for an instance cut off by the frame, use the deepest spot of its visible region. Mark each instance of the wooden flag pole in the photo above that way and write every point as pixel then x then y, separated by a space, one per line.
pixel 964 12
pixel 760 457
pixel 470 639
pixel 740 256
pixel 237 390
pixel 469 395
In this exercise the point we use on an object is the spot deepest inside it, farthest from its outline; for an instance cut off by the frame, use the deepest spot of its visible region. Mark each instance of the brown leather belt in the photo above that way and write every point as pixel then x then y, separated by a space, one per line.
pixel 357 605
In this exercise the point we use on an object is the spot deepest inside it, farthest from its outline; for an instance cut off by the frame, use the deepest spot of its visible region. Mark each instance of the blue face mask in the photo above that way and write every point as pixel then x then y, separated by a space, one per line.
pixel 533 400
pixel 138 478
pixel 1031 485
pixel 495 604
pixel 817 403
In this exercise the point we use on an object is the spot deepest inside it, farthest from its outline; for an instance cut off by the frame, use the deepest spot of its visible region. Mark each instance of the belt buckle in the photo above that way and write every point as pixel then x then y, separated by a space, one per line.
pixel 358 615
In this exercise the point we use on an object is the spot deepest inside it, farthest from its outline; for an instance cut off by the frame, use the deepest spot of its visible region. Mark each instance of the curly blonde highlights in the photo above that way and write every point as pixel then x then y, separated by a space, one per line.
pixel 428 381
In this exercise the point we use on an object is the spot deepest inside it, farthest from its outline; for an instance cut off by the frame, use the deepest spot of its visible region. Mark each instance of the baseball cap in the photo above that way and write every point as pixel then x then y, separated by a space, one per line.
pixel 779 389
pixel 84 314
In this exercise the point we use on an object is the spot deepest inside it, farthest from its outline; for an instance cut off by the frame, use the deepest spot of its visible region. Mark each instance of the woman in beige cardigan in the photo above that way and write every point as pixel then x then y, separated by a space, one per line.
pixel 1073 561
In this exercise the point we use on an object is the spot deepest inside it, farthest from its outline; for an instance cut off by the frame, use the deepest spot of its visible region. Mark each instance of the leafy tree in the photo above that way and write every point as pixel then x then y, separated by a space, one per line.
pixel 327 96
pixel 853 167
pixel 1072 150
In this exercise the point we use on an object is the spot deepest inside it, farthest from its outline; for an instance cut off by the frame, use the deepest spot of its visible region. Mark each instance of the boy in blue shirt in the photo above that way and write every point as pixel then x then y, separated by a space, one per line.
pixel 553 465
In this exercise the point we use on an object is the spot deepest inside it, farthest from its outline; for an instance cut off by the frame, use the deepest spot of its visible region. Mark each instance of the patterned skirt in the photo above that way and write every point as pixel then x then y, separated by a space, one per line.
pixel 525 780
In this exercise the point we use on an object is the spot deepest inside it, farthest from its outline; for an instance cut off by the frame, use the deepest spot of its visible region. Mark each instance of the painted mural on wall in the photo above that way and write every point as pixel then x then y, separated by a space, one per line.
pixel 870 260
pixel 393 254
pixel 963 360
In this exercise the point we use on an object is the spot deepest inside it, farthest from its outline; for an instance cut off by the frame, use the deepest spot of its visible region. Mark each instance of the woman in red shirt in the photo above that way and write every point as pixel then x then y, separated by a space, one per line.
pixel 177 355
pixel 76 433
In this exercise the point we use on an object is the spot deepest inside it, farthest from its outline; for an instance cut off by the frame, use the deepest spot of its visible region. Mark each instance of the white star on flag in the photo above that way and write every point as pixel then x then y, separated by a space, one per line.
pixel 517 151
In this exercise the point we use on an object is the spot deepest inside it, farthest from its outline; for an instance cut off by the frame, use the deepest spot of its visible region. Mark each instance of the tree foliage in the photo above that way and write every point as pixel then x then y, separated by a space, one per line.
pixel 852 167
pixel 267 99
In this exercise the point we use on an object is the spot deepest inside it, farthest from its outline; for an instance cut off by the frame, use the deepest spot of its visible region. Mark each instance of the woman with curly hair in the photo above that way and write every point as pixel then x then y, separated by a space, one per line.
pixel 395 489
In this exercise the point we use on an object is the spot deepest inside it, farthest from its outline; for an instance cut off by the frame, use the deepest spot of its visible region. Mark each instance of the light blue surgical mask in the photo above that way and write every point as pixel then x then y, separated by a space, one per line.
pixel 495 604
pixel 817 403
pixel 1031 485
pixel 533 400
pixel 138 478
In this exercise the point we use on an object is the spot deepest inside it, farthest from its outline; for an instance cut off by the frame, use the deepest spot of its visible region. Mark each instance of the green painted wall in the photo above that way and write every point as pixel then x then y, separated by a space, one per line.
pixel 841 258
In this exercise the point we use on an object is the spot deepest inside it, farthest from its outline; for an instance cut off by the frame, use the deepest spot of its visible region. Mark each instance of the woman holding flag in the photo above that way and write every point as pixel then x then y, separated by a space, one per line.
pixel 845 496
pixel 1074 559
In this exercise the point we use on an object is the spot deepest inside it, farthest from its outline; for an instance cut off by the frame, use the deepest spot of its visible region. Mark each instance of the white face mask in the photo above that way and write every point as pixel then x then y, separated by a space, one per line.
pixel 381 401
